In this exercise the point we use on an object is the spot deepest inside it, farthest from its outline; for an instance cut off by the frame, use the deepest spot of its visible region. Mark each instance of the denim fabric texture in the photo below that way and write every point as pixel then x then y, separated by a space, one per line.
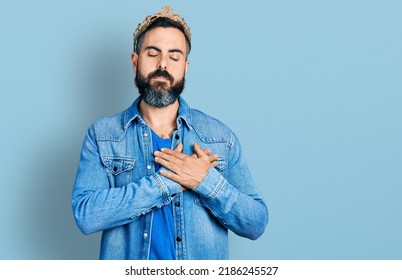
pixel 116 188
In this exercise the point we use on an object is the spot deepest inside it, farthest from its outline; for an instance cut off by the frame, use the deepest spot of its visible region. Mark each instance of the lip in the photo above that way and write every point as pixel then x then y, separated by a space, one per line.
pixel 160 78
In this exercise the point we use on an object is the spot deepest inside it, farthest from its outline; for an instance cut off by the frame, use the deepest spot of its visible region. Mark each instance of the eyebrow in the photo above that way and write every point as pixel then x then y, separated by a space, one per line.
pixel 159 50
pixel 176 51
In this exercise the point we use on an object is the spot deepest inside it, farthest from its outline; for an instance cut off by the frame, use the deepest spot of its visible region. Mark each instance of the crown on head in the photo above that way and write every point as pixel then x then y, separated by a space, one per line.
pixel 166 12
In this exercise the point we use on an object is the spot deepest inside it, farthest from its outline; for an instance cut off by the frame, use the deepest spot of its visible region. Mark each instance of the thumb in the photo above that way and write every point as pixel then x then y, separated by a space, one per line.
pixel 179 148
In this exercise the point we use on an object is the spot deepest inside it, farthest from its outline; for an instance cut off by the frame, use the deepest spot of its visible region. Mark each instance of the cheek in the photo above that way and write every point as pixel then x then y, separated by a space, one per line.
pixel 145 71
pixel 146 66
pixel 179 72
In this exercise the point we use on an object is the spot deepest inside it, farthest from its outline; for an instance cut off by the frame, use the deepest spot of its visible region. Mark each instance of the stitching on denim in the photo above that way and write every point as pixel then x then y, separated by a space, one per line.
pixel 164 190
pixel 218 188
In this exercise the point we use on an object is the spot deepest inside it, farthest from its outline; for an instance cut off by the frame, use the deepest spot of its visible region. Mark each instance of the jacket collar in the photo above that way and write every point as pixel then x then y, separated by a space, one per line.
pixel 132 113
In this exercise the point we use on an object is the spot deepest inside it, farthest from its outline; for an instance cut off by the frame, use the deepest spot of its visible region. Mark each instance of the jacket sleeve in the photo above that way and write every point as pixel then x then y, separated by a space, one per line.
pixel 98 207
pixel 234 198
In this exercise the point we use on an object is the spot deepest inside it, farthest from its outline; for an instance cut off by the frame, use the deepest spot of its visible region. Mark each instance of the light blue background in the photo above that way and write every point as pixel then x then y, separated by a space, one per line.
pixel 312 88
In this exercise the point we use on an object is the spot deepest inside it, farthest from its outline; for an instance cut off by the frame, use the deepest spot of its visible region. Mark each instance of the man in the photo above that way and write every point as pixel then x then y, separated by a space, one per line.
pixel 160 179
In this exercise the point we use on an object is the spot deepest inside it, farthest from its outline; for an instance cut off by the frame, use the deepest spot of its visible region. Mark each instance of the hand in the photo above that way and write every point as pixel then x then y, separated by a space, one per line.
pixel 212 158
pixel 187 170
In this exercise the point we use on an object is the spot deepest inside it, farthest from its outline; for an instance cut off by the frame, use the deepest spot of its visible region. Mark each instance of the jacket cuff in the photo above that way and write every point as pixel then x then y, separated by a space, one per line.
pixel 167 187
pixel 211 184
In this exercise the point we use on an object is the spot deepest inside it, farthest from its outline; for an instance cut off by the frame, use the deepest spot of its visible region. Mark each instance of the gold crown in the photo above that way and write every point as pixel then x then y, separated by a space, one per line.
pixel 166 12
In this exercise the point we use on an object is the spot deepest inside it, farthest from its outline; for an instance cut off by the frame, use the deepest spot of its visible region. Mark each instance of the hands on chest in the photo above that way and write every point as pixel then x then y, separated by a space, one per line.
pixel 186 170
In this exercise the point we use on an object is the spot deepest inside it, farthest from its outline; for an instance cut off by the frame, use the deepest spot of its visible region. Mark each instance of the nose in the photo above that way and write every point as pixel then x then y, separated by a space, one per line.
pixel 162 63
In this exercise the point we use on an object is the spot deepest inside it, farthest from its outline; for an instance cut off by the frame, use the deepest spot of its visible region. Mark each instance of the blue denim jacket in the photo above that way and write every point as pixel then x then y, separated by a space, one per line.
pixel 116 188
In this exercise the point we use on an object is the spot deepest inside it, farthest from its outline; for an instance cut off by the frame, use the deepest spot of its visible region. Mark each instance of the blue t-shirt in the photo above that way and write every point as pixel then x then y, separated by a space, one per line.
pixel 162 236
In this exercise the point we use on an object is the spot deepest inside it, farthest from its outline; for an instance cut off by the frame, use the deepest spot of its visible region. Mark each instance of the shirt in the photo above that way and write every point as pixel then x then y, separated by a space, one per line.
pixel 162 241
pixel 116 189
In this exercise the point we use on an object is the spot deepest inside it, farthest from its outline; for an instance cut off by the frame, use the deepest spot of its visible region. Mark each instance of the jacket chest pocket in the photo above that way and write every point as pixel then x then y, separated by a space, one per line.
pixel 221 164
pixel 119 170
pixel 221 150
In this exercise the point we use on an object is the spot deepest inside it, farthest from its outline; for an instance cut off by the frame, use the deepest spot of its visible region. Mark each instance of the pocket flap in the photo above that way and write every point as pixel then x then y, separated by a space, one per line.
pixel 117 165
pixel 221 164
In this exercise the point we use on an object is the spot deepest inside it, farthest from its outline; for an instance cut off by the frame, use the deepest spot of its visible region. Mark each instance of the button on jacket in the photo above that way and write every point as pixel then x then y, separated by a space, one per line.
pixel 116 188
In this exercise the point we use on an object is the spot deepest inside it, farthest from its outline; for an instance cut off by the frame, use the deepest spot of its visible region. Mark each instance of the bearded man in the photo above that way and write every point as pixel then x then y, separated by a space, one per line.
pixel 162 180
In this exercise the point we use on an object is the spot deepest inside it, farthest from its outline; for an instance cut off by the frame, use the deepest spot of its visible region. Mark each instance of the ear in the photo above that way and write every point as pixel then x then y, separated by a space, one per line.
pixel 187 65
pixel 134 61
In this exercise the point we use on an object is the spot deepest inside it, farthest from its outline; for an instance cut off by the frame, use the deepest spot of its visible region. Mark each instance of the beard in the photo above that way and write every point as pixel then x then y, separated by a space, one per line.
pixel 159 94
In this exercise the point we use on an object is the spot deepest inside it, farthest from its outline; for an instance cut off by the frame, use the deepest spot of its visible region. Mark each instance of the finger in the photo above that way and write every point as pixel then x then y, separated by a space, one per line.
pixel 214 164
pixel 171 176
pixel 200 152
pixel 179 147
pixel 213 157
pixel 206 151
pixel 171 163
pixel 169 154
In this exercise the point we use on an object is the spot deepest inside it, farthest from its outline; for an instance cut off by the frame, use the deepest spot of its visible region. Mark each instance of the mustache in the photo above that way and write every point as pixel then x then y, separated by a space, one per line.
pixel 161 73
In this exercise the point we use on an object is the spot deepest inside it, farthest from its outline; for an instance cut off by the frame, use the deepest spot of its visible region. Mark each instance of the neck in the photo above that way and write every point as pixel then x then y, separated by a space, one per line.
pixel 161 120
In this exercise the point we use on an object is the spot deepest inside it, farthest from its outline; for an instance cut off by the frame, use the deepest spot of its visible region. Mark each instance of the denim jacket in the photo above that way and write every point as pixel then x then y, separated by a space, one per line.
pixel 116 188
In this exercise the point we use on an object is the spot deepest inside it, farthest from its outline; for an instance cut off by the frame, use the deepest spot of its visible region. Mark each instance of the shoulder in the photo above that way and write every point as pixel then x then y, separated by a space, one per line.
pixel 109 127
pixel 209 127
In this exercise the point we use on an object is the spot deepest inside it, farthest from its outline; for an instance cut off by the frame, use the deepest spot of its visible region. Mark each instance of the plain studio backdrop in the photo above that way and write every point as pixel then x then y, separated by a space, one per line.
pixel 312 88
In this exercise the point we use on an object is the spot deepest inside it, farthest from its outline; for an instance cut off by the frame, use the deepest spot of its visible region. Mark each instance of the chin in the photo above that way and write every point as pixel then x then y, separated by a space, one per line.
pixel 161 87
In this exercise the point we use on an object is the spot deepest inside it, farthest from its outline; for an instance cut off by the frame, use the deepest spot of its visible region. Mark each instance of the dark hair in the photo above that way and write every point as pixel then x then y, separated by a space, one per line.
pixel 161 22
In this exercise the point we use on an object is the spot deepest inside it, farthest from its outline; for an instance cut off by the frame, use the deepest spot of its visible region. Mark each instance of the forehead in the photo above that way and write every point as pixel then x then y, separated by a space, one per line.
pixel 165 38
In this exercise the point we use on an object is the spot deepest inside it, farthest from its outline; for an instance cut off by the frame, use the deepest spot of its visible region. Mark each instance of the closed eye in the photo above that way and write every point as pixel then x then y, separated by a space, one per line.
pixel 152 51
